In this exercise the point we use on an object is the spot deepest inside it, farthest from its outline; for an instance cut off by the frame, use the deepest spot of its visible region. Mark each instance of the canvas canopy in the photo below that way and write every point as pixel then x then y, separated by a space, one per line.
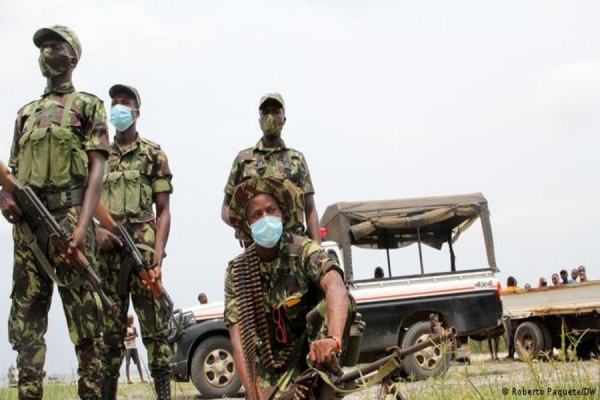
pixel 389 224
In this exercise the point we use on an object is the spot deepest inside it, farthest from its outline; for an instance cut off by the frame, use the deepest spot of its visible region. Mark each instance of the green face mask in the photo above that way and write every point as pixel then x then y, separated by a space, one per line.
pixel 271 127
pixel 53 64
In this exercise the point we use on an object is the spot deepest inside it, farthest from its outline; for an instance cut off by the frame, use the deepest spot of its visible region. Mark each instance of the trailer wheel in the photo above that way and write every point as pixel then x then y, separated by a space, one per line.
pixel 428 362
pixel 529 340
pixel 213 370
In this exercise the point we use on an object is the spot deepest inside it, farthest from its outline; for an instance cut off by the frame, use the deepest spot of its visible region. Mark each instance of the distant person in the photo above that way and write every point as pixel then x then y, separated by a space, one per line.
pixel 202 298
pixel 271 156
pixel 574 274
pixel 13 376
pixel 555 280
pixel 379 273
pixel 582 274
pixel 131 349
pixel 527 286
pixel 543 282
pixel 511 285
pixel 564 277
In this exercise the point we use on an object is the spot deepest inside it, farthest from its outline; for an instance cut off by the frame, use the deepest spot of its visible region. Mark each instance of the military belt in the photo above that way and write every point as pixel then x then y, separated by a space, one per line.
pixel 66 199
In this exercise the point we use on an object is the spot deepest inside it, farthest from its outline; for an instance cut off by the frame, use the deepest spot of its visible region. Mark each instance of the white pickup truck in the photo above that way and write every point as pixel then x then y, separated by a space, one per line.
pixel 460 288
pixel 539 317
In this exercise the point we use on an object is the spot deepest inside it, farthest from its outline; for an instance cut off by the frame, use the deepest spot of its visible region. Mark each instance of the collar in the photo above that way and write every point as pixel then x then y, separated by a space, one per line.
pixel 260 146
pixel 65 88
pixel 124 149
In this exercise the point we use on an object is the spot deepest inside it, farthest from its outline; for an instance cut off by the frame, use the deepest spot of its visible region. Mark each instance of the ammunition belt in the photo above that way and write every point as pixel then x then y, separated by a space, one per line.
pixel 253 320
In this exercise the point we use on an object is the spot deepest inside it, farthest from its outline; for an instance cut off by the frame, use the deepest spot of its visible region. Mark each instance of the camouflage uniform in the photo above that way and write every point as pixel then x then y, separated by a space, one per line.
pixel 290 284
pixel 258 161
pixel 52 166
pixel 135 173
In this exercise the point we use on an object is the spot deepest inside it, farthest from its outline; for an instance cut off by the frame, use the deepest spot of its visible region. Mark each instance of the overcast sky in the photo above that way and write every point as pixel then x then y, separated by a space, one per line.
pixel 386 99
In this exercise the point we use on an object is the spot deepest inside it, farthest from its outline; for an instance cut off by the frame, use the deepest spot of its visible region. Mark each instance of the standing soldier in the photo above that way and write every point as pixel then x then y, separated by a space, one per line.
pixel 137 176
pixel 59 149
pixel 271 156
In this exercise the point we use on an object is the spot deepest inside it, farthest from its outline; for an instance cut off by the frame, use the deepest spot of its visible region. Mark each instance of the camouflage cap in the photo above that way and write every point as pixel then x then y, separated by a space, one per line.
pixel 128 90
pixel 64 32
pixel 271 96
pixel 289 197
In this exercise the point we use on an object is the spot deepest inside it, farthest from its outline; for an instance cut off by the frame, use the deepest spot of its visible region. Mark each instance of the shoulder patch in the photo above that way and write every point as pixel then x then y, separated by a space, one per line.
pixel 151 143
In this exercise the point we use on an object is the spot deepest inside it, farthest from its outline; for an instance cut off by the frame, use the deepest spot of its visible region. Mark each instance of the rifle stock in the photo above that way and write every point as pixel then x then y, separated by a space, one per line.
pixel 143 267
pixel 37 216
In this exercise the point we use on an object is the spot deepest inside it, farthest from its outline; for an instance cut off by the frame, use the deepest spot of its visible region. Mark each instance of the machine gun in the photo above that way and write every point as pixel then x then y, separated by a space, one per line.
pixel 142 266
pixel 43 223
pixel 335 381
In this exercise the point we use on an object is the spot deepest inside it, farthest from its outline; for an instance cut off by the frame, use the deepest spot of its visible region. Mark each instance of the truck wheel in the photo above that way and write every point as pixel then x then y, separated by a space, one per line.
pixel 213 369
pixel 529 340
pixel 548 347
pixel 431 361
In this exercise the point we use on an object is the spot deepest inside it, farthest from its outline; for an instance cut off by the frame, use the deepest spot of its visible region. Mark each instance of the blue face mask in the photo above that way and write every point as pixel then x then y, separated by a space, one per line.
pixel 121 117
pixel 267 231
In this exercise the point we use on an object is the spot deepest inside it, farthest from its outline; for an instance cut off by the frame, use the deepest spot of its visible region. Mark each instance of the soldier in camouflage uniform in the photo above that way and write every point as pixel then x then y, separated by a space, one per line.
pixel 271 341
pixel 271 156
pixel 137 176
pixel 59 149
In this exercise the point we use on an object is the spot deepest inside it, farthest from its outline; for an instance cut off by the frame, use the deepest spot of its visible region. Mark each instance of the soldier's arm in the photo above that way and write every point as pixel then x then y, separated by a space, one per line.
pixel 312 218
pixel 91 197
pixel 326 273
pixel 96 147
pixel 238 356
pixel 163 226
pixel 161 189
pixel 8 206
pixel 232 181
pixel 225 209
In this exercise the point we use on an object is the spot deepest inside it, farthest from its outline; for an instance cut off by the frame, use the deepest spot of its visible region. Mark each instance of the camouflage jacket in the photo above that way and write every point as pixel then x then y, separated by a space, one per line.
pixel 134 174
pixel 259 161
pixel 291 289
pixel 87 122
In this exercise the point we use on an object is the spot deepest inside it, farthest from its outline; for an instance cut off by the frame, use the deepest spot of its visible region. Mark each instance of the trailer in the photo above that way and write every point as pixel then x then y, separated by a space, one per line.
pixel 548 318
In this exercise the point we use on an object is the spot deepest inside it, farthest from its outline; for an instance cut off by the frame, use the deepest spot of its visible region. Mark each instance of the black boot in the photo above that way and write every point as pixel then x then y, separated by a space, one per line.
pixel 162 385
pixel 109 388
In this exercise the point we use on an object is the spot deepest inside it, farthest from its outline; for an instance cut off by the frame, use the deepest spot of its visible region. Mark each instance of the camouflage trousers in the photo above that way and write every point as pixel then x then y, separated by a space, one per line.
pixel 28 321
pixel 152 319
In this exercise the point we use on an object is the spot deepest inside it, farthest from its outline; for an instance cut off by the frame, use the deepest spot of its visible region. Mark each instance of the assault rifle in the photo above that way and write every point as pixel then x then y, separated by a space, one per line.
pixel 142 266
pixel 43 223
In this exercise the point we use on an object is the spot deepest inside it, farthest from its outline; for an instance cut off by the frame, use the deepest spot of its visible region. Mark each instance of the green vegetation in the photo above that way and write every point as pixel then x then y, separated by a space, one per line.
pixel 68 391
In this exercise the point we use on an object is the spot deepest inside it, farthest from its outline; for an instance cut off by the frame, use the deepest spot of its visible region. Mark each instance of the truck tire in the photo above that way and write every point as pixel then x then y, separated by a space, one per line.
pixel 213 370
pixel 529 340
pixel 548 347
pixel 431 361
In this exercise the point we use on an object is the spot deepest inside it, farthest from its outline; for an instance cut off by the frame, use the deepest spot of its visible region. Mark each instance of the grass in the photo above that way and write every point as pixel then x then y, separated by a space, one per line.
pixel 68 391
pixel 506 380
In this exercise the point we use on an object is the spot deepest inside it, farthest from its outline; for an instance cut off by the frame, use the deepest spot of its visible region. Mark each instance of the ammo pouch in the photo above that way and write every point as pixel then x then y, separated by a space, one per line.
pixel 52 158
pixel 127 193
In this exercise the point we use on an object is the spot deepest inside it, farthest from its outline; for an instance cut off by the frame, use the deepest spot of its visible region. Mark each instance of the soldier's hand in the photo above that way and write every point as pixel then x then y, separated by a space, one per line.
pixel 77 241
pixel 155 274
pixel 106 239
pixel 320 351
pixel 8 206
